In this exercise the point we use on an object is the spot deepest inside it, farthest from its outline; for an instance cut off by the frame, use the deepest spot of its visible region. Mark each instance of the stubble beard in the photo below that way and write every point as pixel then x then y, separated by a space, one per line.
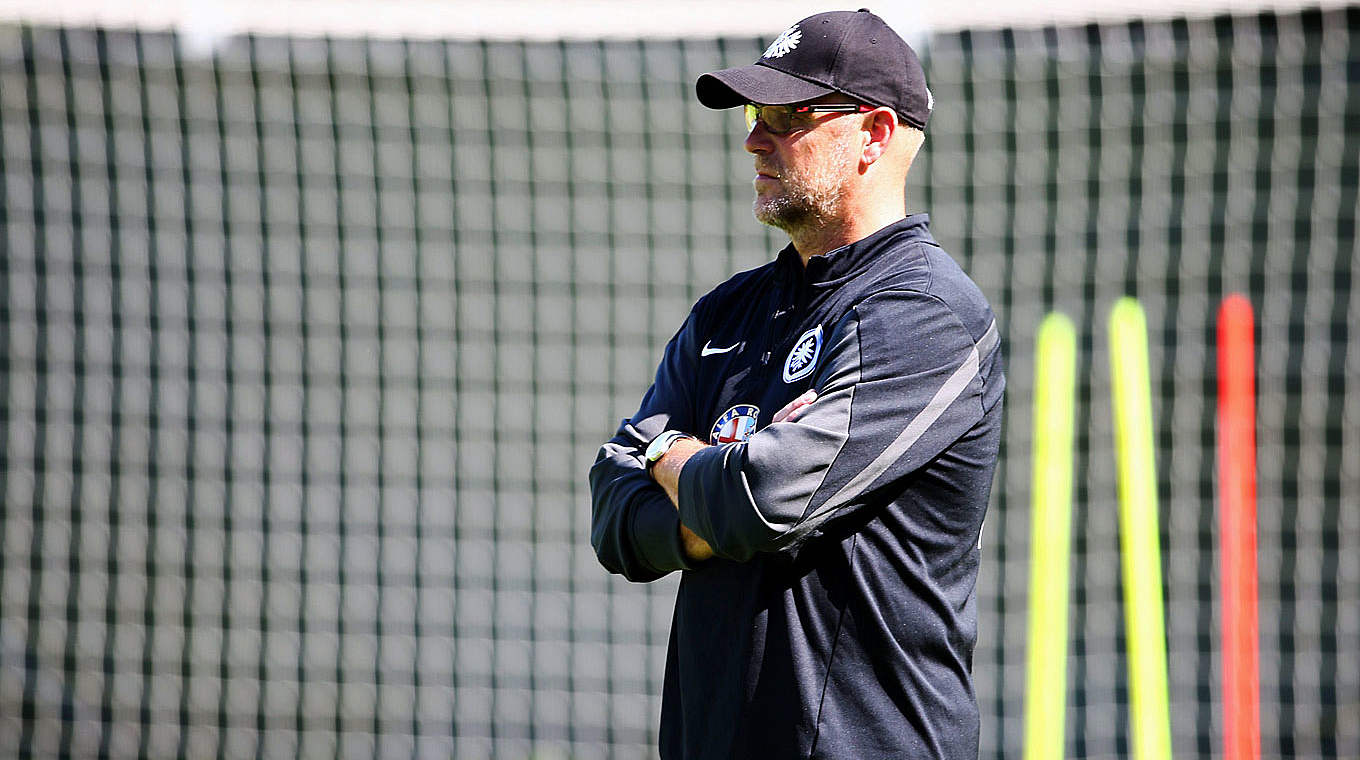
pixel 805 199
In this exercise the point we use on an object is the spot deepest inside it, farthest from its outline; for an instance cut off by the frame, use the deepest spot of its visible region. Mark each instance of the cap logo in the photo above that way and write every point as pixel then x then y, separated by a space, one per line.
pixel 784 43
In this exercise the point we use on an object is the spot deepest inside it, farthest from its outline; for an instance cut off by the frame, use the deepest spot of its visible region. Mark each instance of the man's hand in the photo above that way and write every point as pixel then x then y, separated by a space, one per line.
pixel 695 548
pixel 794 409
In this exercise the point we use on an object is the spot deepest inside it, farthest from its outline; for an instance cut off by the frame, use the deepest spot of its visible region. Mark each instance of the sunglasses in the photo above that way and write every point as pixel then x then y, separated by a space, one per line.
pixel 781 120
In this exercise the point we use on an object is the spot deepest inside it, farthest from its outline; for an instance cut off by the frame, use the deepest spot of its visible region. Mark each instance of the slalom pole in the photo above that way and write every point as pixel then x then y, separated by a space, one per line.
pixel 1237 529
pixel 1140 553
pixel 1055 362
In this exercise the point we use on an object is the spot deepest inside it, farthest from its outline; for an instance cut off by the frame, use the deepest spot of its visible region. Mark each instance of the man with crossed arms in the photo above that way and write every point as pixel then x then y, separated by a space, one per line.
pixel 830 554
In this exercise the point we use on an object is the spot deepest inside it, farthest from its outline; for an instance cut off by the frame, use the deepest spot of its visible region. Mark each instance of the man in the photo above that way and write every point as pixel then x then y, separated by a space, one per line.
pixel 829 550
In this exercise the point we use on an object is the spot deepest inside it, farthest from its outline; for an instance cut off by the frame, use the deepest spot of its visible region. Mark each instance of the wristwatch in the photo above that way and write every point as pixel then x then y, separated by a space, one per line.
pixel 662 443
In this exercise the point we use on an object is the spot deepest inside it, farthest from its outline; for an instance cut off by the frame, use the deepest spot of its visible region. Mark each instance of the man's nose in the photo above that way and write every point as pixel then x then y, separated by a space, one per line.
pixel 758 140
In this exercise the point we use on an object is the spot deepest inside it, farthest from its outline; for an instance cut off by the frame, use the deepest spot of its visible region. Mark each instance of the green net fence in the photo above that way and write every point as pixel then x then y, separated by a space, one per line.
pixel 308 345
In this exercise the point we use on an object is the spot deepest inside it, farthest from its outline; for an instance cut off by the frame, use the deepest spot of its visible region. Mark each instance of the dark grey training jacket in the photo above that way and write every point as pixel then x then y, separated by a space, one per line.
pixel 838 619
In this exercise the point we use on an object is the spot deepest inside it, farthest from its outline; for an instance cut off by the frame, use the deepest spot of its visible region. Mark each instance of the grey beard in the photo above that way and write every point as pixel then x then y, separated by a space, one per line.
pixel 806 201
pixel 788 212
pixel 803 207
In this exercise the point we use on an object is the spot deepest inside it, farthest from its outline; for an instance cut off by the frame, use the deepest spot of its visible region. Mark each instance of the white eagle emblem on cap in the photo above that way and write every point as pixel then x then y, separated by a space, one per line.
pixel 784 43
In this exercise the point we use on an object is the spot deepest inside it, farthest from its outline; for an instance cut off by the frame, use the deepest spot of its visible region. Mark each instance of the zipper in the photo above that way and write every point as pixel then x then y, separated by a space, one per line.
pixel 783 320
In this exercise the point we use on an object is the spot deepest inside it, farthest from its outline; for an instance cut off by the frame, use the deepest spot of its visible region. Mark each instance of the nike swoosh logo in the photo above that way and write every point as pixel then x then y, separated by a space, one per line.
pixel 706 351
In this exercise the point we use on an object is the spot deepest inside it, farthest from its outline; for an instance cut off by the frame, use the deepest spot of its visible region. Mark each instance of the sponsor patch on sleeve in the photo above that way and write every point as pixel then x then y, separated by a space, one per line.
pixel 735 425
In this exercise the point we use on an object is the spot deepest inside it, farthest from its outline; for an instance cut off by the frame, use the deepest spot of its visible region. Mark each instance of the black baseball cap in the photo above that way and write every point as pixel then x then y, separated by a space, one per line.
pixel 851 52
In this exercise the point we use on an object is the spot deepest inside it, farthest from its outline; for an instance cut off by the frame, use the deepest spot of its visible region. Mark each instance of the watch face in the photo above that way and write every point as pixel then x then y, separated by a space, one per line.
pixel 660 444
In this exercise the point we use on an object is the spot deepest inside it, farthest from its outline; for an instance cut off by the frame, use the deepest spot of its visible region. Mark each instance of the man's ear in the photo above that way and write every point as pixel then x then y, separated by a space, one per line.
pixel 879 127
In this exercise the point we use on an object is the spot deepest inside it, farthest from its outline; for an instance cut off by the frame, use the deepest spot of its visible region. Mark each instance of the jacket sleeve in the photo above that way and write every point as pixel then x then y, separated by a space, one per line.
pixel 902 378
pixel 634 528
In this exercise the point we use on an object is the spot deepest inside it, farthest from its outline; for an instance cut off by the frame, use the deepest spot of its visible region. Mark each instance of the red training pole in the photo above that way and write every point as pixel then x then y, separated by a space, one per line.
pixel 1237 529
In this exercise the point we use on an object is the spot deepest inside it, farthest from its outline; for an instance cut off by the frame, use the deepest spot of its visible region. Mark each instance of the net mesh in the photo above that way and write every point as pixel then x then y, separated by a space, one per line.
pixel 308 345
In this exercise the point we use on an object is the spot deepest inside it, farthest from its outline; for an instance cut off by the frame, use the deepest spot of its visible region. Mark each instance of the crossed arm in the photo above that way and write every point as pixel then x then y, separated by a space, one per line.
pixel 778 489
pixel 666 473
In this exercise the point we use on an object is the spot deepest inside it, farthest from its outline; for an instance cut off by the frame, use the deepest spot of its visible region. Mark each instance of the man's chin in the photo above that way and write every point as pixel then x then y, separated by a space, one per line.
pixel 766 210
pixel 777 213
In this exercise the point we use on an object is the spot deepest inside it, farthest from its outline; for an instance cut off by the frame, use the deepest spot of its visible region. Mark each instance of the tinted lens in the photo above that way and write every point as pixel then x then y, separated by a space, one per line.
pixel 778 119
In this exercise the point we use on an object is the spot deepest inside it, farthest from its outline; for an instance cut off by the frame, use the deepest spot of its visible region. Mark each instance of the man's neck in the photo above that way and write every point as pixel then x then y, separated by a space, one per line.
pixel 818 239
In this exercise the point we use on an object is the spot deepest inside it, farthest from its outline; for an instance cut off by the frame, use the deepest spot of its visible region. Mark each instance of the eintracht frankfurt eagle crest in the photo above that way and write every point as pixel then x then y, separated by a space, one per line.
pixel 803 358
pixel 784 43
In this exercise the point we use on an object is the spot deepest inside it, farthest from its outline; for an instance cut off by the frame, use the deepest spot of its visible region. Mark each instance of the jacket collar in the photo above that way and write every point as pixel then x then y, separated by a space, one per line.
pixel 851 259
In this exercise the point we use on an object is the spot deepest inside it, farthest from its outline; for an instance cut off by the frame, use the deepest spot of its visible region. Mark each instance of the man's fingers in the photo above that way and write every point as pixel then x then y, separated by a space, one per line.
pixel 797 412
pixel 794 408
pixel 695 547
pixel 799 405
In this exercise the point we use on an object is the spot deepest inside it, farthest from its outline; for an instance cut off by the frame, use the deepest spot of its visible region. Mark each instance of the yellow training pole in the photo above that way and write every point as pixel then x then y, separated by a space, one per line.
pixel 1139 550
pixel 1055 371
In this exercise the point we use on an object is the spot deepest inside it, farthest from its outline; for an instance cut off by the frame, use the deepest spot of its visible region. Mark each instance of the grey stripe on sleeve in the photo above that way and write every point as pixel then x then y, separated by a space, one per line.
pixel 945 396
pixel 990 337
